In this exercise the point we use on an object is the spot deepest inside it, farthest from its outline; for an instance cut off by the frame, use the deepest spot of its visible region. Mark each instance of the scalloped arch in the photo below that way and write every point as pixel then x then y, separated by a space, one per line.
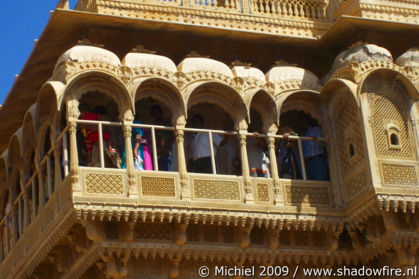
pixel 28 129
pixel 333 85
pixel 102 82
pixel 229 102
pixel 284 97
pixel 268 105
pixel 410 86
pixel 172 97
pixel 15 148
pixel 47 101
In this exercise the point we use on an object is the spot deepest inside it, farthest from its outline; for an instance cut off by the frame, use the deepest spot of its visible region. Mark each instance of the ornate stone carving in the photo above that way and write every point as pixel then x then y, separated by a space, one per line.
pixel 390 105
pixel 356 184
pixel 299 194
pixel 394 174
pixel 262 191
pixel 155 186
pixel 216 189
pixel 104 184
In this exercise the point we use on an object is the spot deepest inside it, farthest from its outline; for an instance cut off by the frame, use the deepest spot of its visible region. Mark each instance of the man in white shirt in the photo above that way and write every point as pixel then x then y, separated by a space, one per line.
pixel 200 149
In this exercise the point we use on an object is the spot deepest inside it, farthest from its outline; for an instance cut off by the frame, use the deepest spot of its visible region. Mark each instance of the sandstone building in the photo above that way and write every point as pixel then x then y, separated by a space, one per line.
pixel 350 67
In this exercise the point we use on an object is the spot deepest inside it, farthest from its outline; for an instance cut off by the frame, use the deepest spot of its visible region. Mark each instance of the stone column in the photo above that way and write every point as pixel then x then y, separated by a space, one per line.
pixel 74 158
pixel 129 159
pixel 185 190
pixel 249 198
pixel 274 168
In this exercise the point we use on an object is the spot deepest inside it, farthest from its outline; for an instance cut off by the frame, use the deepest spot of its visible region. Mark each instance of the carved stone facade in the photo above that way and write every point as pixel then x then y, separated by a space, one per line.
pixel 68 213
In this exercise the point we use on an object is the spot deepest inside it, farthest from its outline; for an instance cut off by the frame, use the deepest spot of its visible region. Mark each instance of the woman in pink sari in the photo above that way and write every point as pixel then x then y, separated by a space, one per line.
pixel 140 141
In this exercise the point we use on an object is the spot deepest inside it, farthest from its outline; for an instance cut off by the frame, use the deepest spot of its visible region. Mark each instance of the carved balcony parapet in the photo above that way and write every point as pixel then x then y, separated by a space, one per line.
pixel 391 10
pixel 306 18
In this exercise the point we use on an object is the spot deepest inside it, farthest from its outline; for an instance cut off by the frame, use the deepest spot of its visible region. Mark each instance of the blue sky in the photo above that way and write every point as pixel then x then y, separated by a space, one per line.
pixel 21 21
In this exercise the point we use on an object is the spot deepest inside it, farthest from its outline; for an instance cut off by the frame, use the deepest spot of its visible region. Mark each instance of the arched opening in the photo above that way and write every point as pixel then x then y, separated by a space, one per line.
pixel 162 155
pixel 46 105
pixel 209 116
pixel 304 158
pixel 97 106
pixel 394 139
pixel 257 152
pixel 17 205
pixel 213 106
pixel 6 226
pixel 46 161
pixel 263 115
pixel 29 183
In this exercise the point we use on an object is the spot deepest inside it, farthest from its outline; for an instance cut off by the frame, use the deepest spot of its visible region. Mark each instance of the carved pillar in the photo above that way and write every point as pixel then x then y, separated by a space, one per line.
pixel 274 168
pixel 249 198
pixel 174 267
pixel 180 235
pixel 179 132
pixel 129 159
pixel 74 158
pixel 273 238
pixel 247 6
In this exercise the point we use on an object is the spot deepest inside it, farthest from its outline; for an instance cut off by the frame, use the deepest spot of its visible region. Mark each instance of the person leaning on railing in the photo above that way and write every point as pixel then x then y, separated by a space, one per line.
pixel 287 154
pixel 257 159
pixel 140 148
pixel 199 147
pixel 91 140
pixel 313 150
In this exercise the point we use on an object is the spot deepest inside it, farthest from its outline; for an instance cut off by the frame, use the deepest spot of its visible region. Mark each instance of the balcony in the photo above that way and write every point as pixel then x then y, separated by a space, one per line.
pixel 406 11
pixel 308 18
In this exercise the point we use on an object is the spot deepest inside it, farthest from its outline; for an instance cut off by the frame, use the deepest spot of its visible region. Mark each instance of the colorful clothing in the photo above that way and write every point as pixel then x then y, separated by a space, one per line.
pixel 92 135
pixel 258 161
pixel 143 151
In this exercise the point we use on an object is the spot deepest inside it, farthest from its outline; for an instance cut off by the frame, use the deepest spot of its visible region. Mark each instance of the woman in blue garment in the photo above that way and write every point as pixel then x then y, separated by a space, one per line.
pixel 140 148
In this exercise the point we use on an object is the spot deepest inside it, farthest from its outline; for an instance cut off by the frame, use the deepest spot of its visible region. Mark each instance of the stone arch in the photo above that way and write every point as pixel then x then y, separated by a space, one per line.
pixel 14 182
pixel 337 85
pixel 265 105
pixel 104 83
pixel 307 101
pixel 212 92
pixel 388 99
pixel 161 90
pixel 46 104
pixel 29 131
pixel 29 145
pixel 3 172
pixel 390 74
pixel 348 136
pixel 14 150
pixel 44 131
pixel 3 185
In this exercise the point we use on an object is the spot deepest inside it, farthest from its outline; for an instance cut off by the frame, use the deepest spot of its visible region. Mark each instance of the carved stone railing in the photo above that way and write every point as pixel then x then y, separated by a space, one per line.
pixel 303 17
pixel 406 11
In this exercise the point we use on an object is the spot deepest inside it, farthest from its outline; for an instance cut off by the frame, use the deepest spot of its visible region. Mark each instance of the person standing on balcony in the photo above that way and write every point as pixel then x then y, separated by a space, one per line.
pixel 286 155
pixel 91 140
pixel 258 161
pixel 313 150
pixel 199 147
pixel 164 139
pixel 140 148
